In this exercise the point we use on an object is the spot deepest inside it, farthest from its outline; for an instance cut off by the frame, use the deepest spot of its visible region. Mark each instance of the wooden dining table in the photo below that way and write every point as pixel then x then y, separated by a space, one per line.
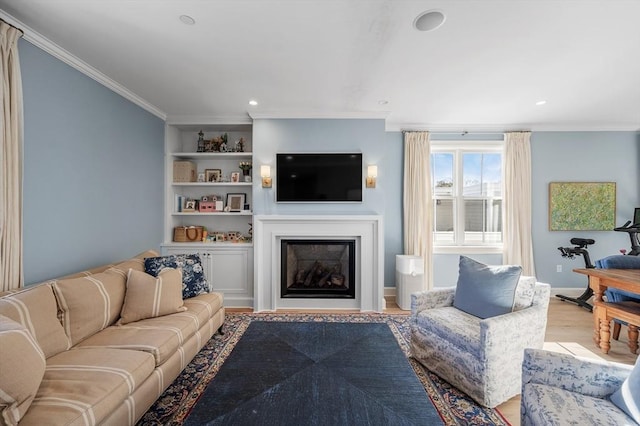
pixel 599 281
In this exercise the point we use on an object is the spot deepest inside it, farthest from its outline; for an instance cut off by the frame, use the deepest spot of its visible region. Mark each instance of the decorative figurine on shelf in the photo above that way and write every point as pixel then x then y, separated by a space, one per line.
pixel 239 145
pixel 249 236
pixel 215 144
pixel 200 141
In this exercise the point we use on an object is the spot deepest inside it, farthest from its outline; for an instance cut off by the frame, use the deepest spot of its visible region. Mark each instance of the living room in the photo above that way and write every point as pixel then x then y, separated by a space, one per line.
pixel 94 160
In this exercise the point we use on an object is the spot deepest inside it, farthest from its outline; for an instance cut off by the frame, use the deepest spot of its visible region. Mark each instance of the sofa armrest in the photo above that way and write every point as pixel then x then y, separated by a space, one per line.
pixel 589 377
pixel 431 299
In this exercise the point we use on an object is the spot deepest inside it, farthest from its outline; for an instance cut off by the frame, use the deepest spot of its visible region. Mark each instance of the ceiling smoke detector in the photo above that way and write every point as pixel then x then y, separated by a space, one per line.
pixel 429 20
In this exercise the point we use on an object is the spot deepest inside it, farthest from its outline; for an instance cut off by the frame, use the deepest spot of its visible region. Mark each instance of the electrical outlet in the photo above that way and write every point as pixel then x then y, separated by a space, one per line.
pixel 558 268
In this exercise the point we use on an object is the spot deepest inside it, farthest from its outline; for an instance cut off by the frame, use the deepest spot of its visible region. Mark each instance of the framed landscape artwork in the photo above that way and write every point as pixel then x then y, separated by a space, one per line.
pixel 582 206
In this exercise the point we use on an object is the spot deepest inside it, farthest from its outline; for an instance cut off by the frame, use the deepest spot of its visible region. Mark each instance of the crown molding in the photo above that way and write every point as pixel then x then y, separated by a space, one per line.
pixel 517 127
pixel 189 120
pixel 38 40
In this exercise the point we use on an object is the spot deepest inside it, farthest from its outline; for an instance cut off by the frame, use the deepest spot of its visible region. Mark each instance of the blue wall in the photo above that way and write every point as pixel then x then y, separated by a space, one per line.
pixel 271 136
pixel 93 171
pixel 581 157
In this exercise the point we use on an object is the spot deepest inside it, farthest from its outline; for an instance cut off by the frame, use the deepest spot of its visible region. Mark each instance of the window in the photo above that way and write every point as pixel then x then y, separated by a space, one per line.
pixel 466 184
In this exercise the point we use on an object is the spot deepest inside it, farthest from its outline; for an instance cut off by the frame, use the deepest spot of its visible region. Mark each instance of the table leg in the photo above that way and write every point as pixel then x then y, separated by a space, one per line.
pixel 598 291
pixel 605 336
pixel 632 333
pixel 596 326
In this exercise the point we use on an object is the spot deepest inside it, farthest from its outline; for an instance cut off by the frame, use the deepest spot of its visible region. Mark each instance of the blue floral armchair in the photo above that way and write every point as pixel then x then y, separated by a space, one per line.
pixel 560 389
pixel 481 357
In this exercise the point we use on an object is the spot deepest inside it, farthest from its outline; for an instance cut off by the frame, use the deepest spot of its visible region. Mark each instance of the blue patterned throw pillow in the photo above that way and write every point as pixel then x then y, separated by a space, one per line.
pixel 193 280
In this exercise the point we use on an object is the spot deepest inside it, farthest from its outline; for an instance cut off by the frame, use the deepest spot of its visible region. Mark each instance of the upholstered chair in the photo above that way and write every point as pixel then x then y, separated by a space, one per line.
pixel 614 295
pixel 482 357
pixel 560 389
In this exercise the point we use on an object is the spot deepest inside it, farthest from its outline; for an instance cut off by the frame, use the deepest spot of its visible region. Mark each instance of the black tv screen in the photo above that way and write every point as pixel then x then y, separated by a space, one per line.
pixel 335 177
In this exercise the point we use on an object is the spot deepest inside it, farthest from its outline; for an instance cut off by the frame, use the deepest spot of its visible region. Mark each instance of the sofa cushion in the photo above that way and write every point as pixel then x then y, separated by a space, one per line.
pixel 193 280
pixel 203 307
pixel 123 267
pixel 159 341
pixel 84 386
pixel 485 291
pixel 89 304
pixel 628 396
pixel 453 325
pixel 148 296
pixel 550 405
pixel 36 309
pixel 18 385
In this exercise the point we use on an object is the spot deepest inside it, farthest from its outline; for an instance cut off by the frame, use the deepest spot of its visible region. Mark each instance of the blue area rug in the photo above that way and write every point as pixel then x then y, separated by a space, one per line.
pixel 302 373
pixel 174 406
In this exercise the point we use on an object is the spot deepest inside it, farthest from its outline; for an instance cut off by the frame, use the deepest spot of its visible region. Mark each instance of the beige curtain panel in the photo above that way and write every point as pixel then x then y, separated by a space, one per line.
pixel 518 244
pixel 417 204
pixel 10 160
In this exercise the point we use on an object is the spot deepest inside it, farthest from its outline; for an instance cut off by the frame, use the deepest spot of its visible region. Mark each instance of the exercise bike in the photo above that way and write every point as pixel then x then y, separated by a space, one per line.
pixel 633 230
pixel 579 249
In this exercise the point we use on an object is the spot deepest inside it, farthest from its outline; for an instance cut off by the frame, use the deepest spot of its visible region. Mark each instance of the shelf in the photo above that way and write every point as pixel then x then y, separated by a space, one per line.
pixel 207 245
pixel 209 155
pixel 242 213
pixel 211 183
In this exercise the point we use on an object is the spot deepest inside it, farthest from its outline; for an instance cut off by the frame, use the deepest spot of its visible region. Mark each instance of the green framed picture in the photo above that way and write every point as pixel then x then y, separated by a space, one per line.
pixel 582 206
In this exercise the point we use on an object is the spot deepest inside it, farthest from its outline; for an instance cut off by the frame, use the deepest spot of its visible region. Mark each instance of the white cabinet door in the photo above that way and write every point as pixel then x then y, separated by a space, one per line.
pixel 229 270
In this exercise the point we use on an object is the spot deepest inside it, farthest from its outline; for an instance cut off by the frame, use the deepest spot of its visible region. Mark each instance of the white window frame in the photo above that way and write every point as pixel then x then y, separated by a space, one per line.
pixel 458 148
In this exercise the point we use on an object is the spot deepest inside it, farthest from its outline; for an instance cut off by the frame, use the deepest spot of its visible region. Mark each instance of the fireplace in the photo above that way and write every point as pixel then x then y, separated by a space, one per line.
pixel 366 231
pixel 317 268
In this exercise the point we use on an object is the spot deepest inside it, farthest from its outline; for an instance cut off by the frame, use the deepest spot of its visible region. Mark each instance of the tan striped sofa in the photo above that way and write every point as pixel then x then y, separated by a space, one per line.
pixel 64 360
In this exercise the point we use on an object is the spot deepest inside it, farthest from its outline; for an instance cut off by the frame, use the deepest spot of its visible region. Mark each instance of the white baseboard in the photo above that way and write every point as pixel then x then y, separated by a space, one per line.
pixel 390 292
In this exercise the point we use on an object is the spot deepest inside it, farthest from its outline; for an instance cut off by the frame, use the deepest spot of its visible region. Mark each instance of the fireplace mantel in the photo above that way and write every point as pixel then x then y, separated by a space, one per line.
pixel 366 230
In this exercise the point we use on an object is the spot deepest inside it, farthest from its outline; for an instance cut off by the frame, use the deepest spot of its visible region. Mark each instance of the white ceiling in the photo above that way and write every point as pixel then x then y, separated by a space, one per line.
pixel 485 68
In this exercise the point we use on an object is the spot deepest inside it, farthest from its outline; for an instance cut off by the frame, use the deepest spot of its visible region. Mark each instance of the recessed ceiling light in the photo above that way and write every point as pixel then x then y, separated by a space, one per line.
pixel 541 103
pixel 429 20
pixel 253 102
pixel 383 102
pixel 187 20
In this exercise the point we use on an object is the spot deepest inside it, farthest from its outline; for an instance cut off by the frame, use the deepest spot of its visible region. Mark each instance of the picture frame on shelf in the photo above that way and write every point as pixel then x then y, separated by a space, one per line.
pixel 235 202
pixel 201 177
pixel 213 175
pixel 235 177
pixel 190 206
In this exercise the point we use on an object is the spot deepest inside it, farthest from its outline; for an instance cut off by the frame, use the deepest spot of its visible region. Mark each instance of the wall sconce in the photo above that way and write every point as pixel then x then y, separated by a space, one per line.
pixel 265 173
pixel 372 174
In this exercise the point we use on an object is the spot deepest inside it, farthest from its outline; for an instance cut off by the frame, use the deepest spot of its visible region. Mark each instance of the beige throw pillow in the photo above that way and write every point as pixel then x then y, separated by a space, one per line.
pixel 150 297
pixel 23 366
pixel 36 309
pixel 89 304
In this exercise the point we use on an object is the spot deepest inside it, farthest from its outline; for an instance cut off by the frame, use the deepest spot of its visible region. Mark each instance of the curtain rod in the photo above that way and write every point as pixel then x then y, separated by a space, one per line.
pixel 465 132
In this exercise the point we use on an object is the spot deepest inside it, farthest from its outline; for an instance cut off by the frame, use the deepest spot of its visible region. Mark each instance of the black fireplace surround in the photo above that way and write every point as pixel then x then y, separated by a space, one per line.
pixel 317 269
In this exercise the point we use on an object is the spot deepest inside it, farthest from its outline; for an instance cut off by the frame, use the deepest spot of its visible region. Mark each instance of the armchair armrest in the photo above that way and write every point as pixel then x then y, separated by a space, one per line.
pixel 513 331
pixel 585 376
pixel 431 299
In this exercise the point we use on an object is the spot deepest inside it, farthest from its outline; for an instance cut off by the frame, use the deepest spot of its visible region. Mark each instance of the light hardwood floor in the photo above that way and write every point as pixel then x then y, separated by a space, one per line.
pixel 569 330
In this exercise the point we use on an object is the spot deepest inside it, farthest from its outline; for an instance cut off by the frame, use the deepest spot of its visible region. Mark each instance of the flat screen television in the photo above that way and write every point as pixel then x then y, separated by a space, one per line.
pixel 317 178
